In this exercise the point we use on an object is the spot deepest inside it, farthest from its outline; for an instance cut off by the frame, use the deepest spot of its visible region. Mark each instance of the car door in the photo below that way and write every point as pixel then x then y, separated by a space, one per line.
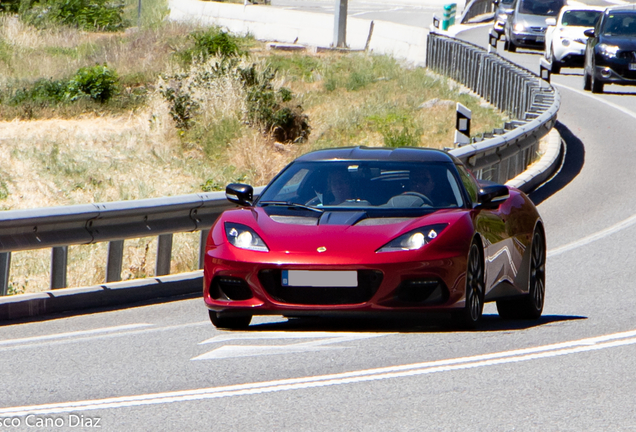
pixel 500 251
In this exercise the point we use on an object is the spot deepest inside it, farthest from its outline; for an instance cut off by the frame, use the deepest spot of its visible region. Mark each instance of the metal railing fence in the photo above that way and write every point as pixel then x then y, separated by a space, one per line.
pixel 530 101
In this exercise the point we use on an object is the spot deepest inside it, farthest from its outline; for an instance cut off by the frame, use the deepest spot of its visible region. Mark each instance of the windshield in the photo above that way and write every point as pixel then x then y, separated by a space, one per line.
pixel 620 25
pixel 580 18
pixel 541 7
pixel 370 184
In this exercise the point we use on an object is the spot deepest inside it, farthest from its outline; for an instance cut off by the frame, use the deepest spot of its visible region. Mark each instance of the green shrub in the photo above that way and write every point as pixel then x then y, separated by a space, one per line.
pixel 9 6
pixel 211 43
pixel 406 137
pixel 182 107
pixel 266 107
pixel 100 83
pixel 4 191
pixel 100 15
pixel 43 91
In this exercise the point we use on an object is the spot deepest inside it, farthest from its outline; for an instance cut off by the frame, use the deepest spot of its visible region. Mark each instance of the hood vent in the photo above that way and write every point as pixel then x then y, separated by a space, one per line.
pixel 341 217
pixel 295 220
pixel 382 221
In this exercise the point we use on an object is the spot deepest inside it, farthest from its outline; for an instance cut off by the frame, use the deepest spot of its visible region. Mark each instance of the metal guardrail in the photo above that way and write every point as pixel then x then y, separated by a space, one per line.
pixel 533 103
pixel 499 157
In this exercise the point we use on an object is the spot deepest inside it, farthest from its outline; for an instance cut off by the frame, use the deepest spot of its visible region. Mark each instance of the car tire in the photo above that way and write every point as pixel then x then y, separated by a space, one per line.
pixel 510 46
pixel 587 85
pixel 220 320
pixel 596 85
pixel 470 316
pixel 529 306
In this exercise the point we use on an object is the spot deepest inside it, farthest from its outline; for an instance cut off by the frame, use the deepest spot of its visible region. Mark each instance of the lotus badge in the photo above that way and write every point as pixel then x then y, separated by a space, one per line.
pixel 321 249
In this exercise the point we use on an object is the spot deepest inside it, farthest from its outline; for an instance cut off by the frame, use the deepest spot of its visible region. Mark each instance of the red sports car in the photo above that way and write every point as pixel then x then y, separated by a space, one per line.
pixel 375 230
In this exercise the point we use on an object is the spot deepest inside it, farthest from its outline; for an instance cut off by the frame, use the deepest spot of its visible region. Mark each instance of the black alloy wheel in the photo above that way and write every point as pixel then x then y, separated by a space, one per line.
pixel 529 306
pixel 220 320
pixel 470 316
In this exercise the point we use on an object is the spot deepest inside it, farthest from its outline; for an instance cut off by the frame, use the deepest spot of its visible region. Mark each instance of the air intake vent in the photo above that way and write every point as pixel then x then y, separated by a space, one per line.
pixel 230 288
pixel 422 291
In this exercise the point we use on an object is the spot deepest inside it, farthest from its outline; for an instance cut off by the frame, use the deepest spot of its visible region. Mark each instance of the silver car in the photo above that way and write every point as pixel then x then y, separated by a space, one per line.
pixel 526 24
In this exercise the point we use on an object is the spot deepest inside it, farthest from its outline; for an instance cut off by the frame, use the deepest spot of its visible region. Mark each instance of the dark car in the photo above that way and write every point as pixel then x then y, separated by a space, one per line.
pixel 373 231
pixel 610 53
pixel 526 24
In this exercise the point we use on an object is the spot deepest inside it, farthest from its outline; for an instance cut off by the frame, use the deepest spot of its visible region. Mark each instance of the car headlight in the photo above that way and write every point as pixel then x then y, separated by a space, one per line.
pixel 414 240
pixel 607 50
pixel 244 237
pixel 565 42
pixel 519 27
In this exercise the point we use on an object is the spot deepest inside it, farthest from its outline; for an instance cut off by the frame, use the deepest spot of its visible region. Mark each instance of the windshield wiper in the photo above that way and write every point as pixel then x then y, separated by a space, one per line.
pixel 289 204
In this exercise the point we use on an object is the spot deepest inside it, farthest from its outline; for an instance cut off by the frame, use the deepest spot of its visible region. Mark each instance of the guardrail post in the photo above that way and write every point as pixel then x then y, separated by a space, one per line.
pixel 164 255
pixel 204 239
pixel 5 266
pixel 59 261
pixel 114 260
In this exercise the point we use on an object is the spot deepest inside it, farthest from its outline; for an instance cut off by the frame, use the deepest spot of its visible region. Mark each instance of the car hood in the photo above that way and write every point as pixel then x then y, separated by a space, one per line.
pixel 530 20
pixel 351 235
pixel 571 32
pixel 625 43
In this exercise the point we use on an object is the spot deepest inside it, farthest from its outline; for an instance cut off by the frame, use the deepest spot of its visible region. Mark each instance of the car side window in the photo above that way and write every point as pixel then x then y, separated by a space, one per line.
pixel 469 183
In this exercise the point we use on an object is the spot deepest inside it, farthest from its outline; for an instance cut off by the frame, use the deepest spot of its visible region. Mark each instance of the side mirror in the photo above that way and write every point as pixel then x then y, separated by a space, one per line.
pixel 589 32
pixel 239 193
pixel 491 196
pixel 550 21
pixel 495 2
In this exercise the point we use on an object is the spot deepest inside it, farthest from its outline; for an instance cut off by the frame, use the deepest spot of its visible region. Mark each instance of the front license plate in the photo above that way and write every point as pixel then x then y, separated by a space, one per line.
pixel 632 66
pixel 320 278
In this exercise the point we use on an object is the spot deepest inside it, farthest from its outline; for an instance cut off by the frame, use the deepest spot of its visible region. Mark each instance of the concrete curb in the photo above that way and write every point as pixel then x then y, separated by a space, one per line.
pixel 112 294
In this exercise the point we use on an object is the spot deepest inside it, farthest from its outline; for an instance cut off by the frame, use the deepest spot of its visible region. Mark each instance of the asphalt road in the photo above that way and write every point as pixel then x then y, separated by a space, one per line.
pixel 165 367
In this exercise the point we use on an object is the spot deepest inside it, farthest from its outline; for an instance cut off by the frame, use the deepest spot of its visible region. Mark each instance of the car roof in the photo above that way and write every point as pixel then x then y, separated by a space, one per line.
pixel 582 8
pixel 402 154
pixel 621 8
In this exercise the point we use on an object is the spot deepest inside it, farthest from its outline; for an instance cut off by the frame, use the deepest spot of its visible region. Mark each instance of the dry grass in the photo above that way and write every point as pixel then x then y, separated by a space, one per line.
pixel 140 154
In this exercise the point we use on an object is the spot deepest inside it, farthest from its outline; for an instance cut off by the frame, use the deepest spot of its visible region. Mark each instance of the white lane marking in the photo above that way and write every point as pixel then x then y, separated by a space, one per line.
pixel 614 228
pixel 598 99
pixel 596 236
pixel 93 337
pixel 526 354
pixel 324 338
pixel 72 334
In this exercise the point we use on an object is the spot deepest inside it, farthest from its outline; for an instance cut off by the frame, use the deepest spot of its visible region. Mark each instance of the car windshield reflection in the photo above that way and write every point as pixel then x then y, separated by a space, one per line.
pixel 366 184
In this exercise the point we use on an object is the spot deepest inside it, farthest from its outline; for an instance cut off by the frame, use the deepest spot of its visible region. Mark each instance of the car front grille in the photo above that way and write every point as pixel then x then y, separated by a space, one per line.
pixel 628 55
pixel 368 283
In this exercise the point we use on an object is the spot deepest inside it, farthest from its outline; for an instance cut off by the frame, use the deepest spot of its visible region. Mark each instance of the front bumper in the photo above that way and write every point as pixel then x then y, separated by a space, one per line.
pixel 528 40
pixel 573 54
pixel 615 70
pixel 255 288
